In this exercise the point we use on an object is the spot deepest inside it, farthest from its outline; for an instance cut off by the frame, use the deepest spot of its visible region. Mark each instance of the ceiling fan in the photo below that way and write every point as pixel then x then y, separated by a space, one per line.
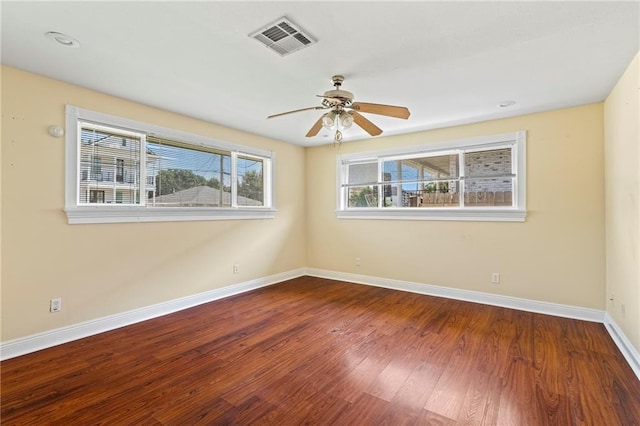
pixel 343 112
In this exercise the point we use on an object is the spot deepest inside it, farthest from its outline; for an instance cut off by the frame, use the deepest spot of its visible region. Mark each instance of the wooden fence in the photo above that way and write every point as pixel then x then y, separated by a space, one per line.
pixel 452 199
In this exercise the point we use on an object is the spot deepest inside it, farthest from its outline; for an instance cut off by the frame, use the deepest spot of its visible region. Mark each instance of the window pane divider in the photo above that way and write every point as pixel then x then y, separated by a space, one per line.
pixel 508 175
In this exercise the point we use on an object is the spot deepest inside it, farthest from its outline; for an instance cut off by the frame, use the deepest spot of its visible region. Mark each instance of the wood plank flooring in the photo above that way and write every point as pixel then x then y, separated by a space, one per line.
pixel 315 351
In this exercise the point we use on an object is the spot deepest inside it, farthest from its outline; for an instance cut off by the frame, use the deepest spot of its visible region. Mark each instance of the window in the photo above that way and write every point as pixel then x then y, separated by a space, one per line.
pixel 119 170
pixel 96 196
pixel 478 179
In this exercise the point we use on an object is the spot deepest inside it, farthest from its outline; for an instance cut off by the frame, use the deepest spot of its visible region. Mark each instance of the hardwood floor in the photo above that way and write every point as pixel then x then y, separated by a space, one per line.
pixel 316 351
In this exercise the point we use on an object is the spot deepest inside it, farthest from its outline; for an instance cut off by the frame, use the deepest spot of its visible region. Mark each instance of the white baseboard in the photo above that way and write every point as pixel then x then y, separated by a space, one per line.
pixel 555 309
pixel 628 351
pixel 35 342
pixel 21 346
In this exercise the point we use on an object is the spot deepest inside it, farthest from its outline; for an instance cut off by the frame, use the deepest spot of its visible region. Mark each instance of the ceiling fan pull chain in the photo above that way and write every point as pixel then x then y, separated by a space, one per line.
pixel 338 137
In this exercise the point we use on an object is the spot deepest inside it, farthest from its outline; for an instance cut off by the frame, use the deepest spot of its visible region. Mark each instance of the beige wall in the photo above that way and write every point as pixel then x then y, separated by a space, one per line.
pixel 557 255
pixel 106 269
pixel 622 182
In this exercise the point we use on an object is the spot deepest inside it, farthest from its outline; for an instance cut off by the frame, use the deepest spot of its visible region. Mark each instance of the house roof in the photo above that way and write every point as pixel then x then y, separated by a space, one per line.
pixel 201 196
pixel 449 62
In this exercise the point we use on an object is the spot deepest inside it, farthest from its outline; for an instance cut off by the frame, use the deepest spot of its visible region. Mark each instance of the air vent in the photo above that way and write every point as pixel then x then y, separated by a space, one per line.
pixel 283 37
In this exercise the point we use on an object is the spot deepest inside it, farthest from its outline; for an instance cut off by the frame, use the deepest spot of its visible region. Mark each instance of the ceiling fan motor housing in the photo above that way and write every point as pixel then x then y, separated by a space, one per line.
pixel 337 96
pixel 342 96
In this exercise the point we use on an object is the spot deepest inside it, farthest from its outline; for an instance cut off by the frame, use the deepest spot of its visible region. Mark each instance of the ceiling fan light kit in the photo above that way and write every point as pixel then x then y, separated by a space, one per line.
pixel 329 119
pixel 343 118
pixel 346 119
pixel 344 112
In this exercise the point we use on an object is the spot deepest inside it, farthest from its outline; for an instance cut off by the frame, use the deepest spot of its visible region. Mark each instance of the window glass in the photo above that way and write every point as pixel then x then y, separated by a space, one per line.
pixel 250 181
pixel 96 196
pixel 483 192
pixel 483 176
pixel 363 196
pixel 108 165
pixel 422 181
pixel 489 178
pixel 363 173
pixel 492 162
pixel 183 176
pixel 360 191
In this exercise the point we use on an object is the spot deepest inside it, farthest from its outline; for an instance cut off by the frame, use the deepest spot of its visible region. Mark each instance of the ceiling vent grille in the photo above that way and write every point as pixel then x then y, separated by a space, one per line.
pixel 283 36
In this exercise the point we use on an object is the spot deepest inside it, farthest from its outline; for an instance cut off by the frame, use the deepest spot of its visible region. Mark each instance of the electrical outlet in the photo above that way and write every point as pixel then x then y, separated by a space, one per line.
pixel 495 278
pixel 357 261
pixel 236 269
pixel 55 305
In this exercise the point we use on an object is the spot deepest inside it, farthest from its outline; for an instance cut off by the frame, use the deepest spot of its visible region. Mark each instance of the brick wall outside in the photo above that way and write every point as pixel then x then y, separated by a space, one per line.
pixel 488 163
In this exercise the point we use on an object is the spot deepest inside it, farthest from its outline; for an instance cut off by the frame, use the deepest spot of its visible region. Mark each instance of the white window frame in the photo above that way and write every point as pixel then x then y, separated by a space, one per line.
pixel 516 213
pixel 82 213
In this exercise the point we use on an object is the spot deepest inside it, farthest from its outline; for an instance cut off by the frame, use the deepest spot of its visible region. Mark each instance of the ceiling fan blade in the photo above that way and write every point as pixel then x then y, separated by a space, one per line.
pixel 315 128
pixel 388 110
pixel 368 126
pixel 296 110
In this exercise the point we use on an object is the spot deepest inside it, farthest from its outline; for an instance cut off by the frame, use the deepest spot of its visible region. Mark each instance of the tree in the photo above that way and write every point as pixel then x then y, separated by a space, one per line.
pixel 174 180
pixel 213 183
pixel 432 187
pixel 252 186
pixel 364 198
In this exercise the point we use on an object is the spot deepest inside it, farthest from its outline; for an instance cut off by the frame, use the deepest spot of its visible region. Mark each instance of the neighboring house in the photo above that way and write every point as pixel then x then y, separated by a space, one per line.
pixel 109 171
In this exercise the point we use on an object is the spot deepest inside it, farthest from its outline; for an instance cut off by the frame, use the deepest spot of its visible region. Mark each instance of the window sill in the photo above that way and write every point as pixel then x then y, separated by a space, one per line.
pixel 467 214
pixel 81 215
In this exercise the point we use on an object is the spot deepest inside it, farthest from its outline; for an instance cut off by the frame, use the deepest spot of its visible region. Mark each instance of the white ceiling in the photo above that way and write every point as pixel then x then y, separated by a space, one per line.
pixel 449 62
